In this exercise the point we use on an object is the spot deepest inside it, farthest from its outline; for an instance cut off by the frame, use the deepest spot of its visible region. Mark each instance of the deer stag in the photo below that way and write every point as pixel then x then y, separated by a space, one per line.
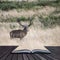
pixel 20 33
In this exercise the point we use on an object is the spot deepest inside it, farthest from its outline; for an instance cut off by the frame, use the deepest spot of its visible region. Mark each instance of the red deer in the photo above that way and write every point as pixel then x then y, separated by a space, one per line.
pixel 20 33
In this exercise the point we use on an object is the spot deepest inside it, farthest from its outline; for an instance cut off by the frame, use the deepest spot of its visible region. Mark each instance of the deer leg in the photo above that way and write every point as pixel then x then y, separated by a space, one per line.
pixel 20 38
pixel 10 34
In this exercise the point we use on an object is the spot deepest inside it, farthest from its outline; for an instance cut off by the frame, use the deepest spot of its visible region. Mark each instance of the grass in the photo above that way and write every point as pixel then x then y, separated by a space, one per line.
pixel 14 19
pixel 15 5
pixel 6 5
pixel 12 26
pixel 50 21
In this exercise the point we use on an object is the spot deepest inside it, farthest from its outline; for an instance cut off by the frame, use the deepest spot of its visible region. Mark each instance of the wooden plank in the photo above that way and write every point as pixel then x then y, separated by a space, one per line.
pixel 42 58
pixel 9 57
pixel 51 57
pixel 30 57
pixel 15 57
pixel 25 57
pixel 5 56
pixel 6 50
pixel 2 49
pixel 35 57
pixel 55 51
pixel 46 56
pixel 20 56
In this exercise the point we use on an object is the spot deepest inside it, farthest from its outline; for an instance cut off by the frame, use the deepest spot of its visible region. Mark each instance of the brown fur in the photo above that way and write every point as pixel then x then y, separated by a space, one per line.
pixel 18 33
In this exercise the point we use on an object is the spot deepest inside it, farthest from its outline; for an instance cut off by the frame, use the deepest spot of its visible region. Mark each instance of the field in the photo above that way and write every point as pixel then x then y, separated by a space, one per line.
pixel 45 30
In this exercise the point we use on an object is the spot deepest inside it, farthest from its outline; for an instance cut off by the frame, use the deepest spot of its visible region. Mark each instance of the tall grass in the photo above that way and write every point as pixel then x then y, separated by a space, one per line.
pixel 50 21
pixel 7 5
pixel 16 5
pixel 14 19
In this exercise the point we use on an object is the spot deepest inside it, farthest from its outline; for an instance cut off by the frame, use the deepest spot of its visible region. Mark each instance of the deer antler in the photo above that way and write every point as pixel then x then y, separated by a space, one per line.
pixel 30 20
pixel 19 21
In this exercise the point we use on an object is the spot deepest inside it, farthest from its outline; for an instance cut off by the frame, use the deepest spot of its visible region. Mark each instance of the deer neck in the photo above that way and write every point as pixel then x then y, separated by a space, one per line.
pixel 25 29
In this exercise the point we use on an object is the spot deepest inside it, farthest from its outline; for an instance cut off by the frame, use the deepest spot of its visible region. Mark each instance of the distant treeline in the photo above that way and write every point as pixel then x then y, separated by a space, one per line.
pixel 8 5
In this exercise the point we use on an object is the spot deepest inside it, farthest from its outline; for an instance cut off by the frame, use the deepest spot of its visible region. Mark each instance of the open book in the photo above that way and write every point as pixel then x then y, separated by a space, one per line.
pixel 32 51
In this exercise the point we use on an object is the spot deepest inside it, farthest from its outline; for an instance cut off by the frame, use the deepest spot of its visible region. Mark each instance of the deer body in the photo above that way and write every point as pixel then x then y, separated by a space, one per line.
pixel 18 33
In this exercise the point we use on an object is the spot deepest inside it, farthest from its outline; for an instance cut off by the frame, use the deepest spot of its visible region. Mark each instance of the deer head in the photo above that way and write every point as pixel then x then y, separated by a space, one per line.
pixel 25 26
